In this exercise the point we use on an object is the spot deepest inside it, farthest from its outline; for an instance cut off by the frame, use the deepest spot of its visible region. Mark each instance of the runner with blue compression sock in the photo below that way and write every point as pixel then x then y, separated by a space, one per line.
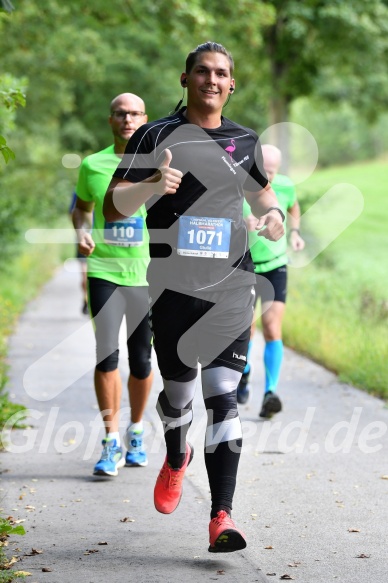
pixel 270 261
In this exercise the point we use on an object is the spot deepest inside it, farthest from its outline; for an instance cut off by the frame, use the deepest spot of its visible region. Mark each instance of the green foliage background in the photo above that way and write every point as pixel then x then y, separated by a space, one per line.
pixel 318 63
pixel 72 58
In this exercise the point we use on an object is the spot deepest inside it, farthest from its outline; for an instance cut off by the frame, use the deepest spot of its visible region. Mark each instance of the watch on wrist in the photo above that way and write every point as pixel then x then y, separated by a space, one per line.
pixel 276 208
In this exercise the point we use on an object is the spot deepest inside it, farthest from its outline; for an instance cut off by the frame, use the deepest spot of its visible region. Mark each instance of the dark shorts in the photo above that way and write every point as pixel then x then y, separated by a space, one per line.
pixel 109 304
pixel 277 290
pixel 214 331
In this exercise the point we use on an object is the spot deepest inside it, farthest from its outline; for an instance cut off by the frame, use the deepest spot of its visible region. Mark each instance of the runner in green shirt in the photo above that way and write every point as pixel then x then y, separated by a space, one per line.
pixel 270 261
pixel 118 257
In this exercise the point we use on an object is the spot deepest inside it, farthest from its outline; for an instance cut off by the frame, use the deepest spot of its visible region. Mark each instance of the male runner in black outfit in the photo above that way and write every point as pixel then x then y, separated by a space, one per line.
pixel 192 170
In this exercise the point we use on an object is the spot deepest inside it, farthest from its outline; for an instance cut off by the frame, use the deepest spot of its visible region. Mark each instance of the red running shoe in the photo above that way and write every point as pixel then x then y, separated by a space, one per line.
pixel 224 537
pixel 168 487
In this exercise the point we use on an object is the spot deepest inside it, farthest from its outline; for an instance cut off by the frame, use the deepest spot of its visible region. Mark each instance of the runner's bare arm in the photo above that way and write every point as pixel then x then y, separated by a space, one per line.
pixel 123 198
pixel 260 202
pixel 297 243
pixel 82 217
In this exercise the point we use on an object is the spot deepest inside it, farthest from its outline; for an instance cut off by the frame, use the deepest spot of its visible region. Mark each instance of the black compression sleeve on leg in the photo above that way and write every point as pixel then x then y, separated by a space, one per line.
pixel 176 423
pixel 223 436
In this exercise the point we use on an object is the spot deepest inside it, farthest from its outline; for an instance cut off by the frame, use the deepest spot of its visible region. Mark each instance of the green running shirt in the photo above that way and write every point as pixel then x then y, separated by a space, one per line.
pixel 114 261
pixel 269 255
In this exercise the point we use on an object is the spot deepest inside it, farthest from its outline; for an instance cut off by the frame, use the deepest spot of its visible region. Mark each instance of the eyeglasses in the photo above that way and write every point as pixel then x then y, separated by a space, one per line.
pixel 119 114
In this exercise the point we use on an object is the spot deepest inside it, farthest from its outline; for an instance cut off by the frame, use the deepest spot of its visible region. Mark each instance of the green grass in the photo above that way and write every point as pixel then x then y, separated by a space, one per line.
pixel 21 280
pixel 7 529
pixel 338 304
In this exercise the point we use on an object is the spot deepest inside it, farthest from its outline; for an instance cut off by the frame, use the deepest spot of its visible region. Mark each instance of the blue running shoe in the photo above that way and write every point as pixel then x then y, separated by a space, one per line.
pixel 243 389
pixel 135 456
pixel 111 459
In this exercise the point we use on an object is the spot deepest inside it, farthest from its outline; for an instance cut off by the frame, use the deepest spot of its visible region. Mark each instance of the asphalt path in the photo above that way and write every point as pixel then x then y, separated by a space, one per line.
pixel 312 492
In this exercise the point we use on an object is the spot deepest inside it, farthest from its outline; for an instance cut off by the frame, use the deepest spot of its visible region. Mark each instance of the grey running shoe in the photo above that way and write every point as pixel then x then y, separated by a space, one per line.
pixel 271 405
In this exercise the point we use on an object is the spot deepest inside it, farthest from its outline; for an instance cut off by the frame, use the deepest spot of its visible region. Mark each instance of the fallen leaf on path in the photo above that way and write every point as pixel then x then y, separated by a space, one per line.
pixel 46 570
pixel 29 508
pixel 33 552
pixel 22 573
pixel 271 574
pixel 385 477
pixel 269 547
pixel 127 519
pixel 91 551
pixel 10 563
pixel 294 564
pixel 286 577
pixel 220 572
pixel 362 556
pixel 103 543
pixel 354 530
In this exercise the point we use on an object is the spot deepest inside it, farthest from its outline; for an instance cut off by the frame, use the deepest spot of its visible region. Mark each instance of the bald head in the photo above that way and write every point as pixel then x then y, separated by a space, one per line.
pixel 272 158
pixel 125 98
pixel 127 114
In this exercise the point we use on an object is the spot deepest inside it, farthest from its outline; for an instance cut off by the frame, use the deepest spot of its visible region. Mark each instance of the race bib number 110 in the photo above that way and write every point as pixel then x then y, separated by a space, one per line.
pixel 204 237
pixel 124 233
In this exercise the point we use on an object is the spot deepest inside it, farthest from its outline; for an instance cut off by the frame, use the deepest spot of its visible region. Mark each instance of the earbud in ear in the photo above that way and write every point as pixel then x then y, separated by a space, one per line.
pixel 231 89
pixel 184 81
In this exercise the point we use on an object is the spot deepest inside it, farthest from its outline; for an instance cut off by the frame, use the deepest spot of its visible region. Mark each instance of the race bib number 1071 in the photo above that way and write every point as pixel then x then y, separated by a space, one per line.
pixel 204 237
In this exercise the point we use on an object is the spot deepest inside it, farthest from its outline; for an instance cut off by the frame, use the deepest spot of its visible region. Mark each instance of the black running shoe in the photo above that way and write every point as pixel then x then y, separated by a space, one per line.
pixel 271 405
pixel 243 389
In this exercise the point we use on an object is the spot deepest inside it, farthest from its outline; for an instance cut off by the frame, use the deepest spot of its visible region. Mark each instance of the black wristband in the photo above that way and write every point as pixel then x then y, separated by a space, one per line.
pixel 276 208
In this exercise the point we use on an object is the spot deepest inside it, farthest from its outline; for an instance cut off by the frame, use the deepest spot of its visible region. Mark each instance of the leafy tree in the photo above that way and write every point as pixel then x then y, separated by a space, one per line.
pixel 326 47
pixel 9 97
pixel 284 49
pixel 7 6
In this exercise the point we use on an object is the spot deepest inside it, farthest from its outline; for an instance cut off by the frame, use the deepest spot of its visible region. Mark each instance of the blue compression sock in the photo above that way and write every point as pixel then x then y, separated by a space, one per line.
pixel 248 366
pixel 273 357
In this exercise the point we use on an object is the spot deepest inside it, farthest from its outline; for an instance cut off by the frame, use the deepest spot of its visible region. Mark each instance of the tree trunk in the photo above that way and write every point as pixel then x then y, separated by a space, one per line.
pixel 279 105
pixel 279 130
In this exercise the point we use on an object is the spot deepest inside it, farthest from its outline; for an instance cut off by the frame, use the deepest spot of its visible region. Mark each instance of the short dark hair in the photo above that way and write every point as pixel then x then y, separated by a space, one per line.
pixel 208 47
